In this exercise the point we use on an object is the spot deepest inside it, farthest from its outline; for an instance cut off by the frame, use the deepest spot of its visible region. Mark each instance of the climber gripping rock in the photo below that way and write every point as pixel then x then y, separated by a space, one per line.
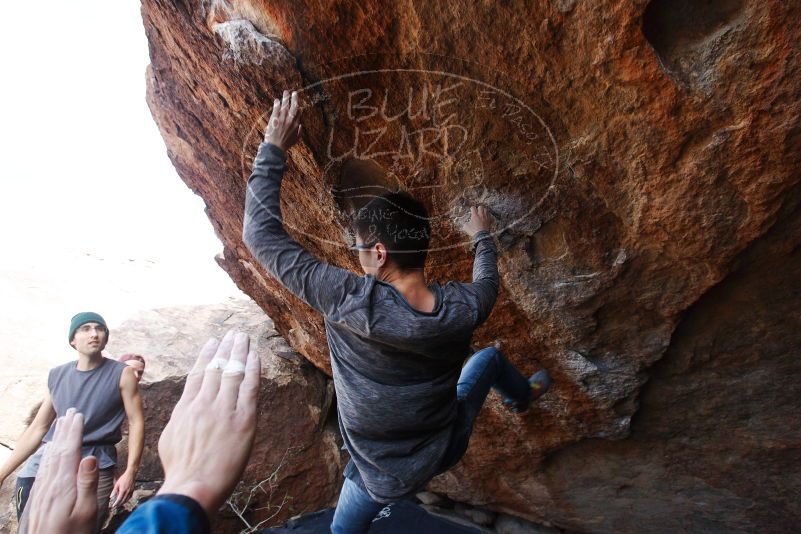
pixel 406 405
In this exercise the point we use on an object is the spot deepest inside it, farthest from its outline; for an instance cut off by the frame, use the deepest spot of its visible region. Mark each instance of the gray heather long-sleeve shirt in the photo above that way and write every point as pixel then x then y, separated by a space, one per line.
pixel 395 368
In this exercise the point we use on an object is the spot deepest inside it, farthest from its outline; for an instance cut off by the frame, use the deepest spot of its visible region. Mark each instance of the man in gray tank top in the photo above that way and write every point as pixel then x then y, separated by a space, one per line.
pixel 105 391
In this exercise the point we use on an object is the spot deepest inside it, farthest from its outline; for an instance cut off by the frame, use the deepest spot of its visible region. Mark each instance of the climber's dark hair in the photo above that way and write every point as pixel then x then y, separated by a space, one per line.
pixel 400 223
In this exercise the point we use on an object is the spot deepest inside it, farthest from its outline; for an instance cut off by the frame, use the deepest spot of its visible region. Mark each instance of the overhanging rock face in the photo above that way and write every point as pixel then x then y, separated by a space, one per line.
pixel 642 160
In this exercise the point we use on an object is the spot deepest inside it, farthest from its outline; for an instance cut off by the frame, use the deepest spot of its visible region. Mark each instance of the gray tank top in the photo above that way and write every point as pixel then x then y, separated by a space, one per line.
pixel 95 394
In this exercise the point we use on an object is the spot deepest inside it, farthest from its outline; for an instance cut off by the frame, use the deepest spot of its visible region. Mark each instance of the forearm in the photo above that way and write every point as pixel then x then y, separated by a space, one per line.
pixel 136 444
pixel 263 231
pixel 486 280
pixel 485 264
pixel 320 285
pixel 30 440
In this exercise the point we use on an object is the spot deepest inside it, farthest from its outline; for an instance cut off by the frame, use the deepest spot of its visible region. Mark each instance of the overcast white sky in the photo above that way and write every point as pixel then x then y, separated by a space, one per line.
pixel 93 214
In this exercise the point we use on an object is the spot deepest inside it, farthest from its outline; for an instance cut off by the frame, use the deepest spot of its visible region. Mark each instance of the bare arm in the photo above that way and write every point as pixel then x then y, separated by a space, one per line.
pixel 129 388
pixel 31 438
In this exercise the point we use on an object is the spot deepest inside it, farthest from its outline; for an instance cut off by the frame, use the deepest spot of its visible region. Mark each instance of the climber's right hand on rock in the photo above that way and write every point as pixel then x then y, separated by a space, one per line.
pixel 480 220
pixel 283 129
pixel 206 444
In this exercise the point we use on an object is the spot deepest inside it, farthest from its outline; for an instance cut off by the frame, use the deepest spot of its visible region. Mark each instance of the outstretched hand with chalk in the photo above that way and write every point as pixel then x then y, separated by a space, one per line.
pixel 284 127
pixel 206 444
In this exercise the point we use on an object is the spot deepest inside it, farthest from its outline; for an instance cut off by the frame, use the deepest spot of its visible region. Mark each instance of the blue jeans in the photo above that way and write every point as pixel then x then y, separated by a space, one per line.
pixel 486 369
pixel 355 510
pixel 21 493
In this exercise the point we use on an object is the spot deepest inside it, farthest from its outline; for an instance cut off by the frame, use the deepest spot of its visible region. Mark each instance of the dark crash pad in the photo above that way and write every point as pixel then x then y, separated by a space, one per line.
pixel 398 518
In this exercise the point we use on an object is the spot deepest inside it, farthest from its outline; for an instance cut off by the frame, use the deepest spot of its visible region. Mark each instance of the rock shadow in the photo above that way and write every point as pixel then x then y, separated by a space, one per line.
pixel 360 181
pixel 689 36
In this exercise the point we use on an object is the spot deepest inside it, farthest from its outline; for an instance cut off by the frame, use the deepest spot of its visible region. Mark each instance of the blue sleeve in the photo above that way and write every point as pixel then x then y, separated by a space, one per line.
pixel 167 514
pixel 324 287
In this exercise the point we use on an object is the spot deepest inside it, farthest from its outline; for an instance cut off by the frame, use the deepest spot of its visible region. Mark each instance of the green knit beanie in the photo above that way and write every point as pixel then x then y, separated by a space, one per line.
pixel 83 318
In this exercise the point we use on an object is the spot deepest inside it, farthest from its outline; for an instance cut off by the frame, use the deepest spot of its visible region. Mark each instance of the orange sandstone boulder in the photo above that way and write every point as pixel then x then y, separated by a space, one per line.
pixel 642 160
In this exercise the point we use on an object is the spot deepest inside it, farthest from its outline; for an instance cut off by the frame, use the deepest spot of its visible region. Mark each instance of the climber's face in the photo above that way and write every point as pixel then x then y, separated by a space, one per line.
pixel 90 339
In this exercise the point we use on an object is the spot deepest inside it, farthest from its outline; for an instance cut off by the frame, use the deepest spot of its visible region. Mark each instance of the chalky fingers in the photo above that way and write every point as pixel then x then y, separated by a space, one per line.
pixel 53 460
pixel 72 440
pixel 234 372
pixel 214 370
pixel 195 378
pixel 293 107
pixel 272 123
pixel 285 100
pixel 249 389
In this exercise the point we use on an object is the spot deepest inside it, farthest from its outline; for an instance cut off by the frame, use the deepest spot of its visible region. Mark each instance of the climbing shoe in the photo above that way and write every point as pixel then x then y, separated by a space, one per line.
pixel 539 382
